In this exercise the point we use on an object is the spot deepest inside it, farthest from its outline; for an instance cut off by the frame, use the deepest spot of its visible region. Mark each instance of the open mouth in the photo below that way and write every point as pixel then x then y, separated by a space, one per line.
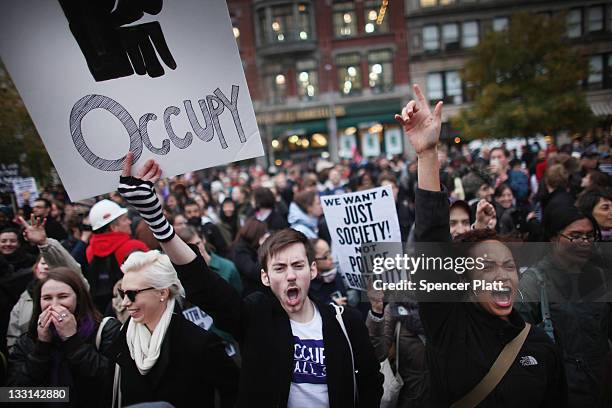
pixel 133 312
pixel 502 298
pixel 293 296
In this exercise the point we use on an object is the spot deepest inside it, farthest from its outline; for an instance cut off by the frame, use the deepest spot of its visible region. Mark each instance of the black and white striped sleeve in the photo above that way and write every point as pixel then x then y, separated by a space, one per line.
pixel 141 195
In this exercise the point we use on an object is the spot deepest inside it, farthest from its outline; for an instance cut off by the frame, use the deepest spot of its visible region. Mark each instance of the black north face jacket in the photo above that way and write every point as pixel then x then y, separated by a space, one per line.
pixel 262 328
pixel 463 340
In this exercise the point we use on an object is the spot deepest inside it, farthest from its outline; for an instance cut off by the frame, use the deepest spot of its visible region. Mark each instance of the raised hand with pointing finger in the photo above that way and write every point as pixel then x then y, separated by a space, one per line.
pixel 420 124
pixel 423 130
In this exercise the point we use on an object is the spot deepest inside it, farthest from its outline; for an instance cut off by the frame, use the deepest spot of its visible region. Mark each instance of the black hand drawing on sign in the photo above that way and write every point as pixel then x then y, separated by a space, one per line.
pixel 112 50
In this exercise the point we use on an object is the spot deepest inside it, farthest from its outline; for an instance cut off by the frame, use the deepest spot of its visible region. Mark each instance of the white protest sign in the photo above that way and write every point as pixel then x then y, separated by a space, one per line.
pixel 162 79
pixel 8 173
pixel 198 317
pixel 25 186
pixel 357 221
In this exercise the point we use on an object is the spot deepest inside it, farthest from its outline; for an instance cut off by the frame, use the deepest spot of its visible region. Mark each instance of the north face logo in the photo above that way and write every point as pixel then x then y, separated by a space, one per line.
pixel 528 361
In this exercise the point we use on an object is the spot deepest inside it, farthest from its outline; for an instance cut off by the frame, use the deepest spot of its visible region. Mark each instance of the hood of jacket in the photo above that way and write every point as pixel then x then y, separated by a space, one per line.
pixel 102 245
pixel 299 217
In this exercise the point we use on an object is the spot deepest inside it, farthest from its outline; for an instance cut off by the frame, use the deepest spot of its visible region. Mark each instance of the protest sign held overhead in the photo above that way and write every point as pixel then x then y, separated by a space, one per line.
pixel 25 191
pixel 357 222
pixel 8 173
pixel 161 79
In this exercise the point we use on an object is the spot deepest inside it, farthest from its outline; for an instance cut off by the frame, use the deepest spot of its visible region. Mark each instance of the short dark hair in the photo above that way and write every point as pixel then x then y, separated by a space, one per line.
pixel 387 176
pixel 279 241
pixel 504 151
pixel 499 190
pixel 44 200
pixel 251 232
pixel 264 198
pixel 588 199
pixel 305 199
pixel 85 308
pixel 190 202
pixel 10 230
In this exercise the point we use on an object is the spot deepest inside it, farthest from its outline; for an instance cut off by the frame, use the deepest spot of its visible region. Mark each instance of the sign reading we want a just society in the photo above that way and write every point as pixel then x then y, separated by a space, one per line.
pixel 101 78
pixel 358 223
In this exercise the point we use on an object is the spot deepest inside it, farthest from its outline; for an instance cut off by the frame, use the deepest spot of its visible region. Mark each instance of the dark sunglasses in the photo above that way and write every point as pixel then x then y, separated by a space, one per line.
pixel 131 294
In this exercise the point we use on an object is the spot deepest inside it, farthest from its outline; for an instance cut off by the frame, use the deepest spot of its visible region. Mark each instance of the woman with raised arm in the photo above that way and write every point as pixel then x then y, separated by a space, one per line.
pixel 160 355
pixel 469 338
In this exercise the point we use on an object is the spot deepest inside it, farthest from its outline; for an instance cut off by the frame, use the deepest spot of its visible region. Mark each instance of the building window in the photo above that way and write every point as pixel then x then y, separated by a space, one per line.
pixel 431 38
pixel 500 24
pixel 595 17
pixel 345 20
pixel 445 86
pixel 428 3
pixel 574 23
pixel 307 80
pixel 264 29
pixel 469 36
pixel 303 22
pixel 450 36
pixel 435 87
pixel 380 67
pixel 282 23
pixel 596 71
pixel 276 85
pixel 454 92
pixel 349 74
pixel 372 17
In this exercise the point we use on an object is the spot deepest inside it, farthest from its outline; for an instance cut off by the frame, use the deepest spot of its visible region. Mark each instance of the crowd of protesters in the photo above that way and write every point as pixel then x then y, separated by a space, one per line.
pixel 221 288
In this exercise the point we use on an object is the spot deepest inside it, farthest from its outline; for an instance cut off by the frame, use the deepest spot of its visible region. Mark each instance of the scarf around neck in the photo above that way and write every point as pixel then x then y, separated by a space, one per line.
pixel 144 346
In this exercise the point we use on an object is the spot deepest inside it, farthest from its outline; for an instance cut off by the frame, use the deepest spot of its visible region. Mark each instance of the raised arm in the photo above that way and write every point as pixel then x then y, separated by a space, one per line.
pixel 52 251
pixel 203 287
pixel 139 192
pixel 422 127
pixel 423 130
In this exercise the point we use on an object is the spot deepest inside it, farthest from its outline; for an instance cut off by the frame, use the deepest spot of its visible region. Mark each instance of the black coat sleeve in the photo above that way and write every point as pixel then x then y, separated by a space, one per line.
pixel 85 359
pixel 214 295
pixel 29 363
pixel 225 374
pixel 369 377
pixel 432 225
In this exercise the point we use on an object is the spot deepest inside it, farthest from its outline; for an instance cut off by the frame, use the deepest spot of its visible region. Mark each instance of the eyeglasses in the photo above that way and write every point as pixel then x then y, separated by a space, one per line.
pixel 131 294
pixel 584 237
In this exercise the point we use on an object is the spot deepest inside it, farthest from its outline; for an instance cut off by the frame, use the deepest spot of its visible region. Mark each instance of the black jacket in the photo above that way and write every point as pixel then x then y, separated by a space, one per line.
pixel 262 328
pixel 247 263
pixel 463 341
pixel 191 364
pixel 276 221
pixel 31 361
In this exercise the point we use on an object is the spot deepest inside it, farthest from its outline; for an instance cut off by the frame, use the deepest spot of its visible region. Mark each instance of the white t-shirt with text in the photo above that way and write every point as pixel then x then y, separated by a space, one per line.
pixel 309 381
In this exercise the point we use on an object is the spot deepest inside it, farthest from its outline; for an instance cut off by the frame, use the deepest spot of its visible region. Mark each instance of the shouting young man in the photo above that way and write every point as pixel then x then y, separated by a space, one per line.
pixel 296 352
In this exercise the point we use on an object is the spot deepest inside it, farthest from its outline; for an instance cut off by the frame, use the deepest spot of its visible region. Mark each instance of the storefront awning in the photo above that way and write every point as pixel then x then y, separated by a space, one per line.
pixel 298 128
pixel 602 108
pixel 367 119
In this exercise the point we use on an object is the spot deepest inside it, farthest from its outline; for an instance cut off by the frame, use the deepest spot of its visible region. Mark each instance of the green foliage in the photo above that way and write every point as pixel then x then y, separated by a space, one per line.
pixel 20 140
pixel 526 80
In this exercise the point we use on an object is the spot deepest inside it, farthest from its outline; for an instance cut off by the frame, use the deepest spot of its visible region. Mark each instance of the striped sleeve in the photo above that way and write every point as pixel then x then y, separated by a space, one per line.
pixel 141 195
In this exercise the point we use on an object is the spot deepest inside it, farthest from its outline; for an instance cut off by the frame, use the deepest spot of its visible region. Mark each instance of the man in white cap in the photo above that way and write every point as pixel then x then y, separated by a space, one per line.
pixel 108 247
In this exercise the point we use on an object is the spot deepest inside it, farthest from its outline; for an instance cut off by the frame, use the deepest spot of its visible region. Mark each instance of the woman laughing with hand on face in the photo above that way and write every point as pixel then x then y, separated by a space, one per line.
pixel 65 343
